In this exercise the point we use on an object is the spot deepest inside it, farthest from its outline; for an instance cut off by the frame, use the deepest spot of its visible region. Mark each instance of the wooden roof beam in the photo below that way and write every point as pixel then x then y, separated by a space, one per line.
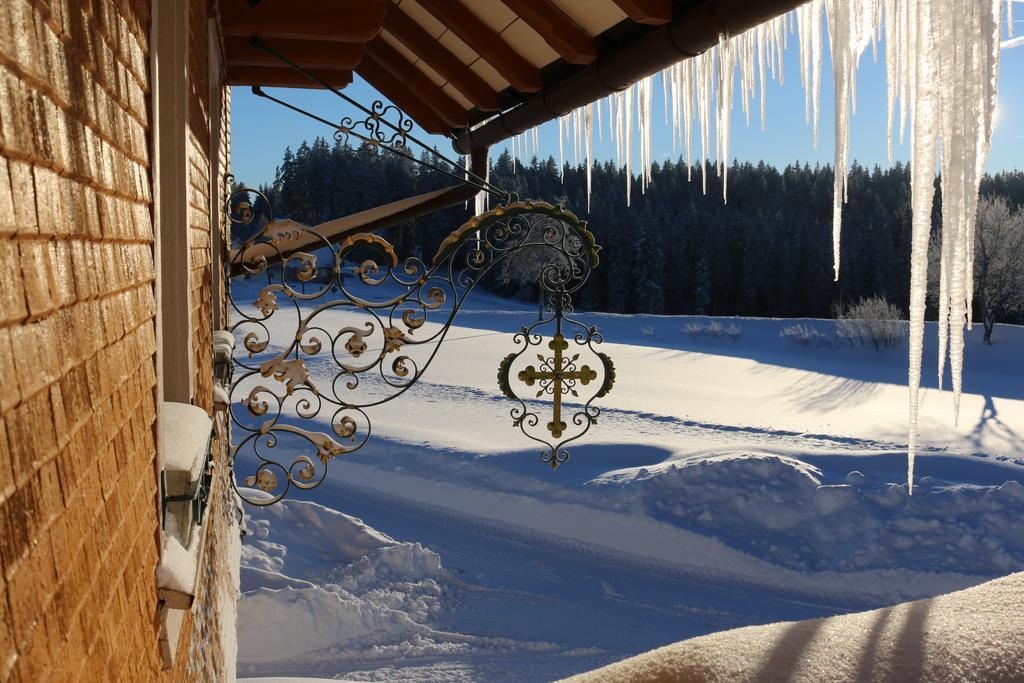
pixel 655 12
pixel 503 57
pixel 559 31
pixel 285 77
pixel 309 54
pixel 436 56
pixel 348 21
pixel 418 84
pixel 396 91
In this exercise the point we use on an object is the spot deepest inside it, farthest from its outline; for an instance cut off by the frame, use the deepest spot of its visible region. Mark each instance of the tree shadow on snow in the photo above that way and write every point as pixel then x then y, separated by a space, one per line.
pixel 826 393
pixel 995 369
pixel 990 426
pixel 888 654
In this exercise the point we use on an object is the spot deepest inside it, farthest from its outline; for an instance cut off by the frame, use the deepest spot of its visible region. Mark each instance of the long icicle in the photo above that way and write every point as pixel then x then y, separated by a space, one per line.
pixel 923 116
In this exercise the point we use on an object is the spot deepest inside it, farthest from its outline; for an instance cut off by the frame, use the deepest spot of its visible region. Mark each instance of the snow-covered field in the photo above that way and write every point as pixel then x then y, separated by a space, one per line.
pixel 727 482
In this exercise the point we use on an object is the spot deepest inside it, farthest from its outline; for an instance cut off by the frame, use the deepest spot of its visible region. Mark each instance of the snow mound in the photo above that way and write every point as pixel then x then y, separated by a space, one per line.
pixel 318 537
pixel 777 508
pixel 289 622
pixel 318 584
pixel 748 488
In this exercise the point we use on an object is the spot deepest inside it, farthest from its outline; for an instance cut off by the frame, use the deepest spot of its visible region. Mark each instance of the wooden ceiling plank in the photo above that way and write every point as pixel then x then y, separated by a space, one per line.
pixel 559 31
pixel 285 77
pixel 654 12
pixel 396 91
pixel 461 77
pixel 358 21
pixel 311 54
pixel 417 82
pixel 489 45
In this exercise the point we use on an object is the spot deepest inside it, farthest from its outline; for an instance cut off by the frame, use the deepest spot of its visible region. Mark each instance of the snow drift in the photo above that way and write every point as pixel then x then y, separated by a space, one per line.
pixel 971 635
pixel 313 577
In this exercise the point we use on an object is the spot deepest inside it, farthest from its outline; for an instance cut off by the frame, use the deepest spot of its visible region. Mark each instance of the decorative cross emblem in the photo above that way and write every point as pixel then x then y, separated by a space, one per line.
pixel 557 375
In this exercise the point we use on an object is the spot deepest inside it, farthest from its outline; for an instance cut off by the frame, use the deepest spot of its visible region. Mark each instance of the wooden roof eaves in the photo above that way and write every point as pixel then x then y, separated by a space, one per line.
pixel 559 31
pixel 489 45
pixel 417 82
pixel 459 75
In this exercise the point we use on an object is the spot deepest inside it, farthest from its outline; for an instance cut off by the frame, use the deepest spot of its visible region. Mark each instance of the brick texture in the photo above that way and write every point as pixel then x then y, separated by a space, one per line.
pixel 79 527
pixel 199 202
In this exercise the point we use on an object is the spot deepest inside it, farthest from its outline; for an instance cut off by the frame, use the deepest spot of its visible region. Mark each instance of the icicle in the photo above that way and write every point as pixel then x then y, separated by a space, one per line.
pixel 665 89
pixel 892 71
pixel 815 35
pixel 704 64
pixel 906 68
pixel 742 44
pixel 780 45
pixel 850 29
pixel 803 16
pixel 480 201
pixel 722 125
pixel 589 136
pixel 688 75
pixel 465 163
pixel 761 33
pixel 644 94
pixel 923 126
pixel 839 36
pixel 627 126
pixel 561 147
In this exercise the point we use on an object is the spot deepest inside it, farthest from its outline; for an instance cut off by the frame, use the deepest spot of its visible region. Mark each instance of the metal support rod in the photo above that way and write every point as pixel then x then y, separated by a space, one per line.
pixel 474 179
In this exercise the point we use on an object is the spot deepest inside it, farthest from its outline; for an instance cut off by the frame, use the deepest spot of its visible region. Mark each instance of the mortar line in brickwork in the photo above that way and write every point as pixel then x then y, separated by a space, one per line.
pixel 40 162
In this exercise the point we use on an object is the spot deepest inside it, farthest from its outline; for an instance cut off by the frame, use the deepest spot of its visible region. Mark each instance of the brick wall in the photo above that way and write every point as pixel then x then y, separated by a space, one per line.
pixel 199 202
pixel 78 488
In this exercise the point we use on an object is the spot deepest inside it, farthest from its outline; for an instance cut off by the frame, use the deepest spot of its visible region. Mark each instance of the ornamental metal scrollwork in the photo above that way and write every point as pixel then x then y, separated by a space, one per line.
pixel 375 127
pixel 328 333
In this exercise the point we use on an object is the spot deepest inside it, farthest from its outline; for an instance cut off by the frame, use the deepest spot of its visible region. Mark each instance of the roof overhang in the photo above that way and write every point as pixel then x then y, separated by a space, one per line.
pixel 478 71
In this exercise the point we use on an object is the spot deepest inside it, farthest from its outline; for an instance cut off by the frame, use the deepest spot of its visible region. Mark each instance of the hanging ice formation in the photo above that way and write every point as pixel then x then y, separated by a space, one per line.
pixel 942 67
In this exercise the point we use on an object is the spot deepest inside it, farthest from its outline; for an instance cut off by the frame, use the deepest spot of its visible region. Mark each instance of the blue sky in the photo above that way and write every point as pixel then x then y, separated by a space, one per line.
pixel 261 130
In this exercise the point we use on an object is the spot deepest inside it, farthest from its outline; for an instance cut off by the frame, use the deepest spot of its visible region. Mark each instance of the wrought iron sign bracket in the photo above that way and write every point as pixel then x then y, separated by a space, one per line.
pixel 357 334
pixel 359 337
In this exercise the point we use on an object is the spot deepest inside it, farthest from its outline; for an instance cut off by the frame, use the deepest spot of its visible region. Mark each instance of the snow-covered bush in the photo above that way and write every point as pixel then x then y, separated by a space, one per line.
pixel 805 335
pixel 872 322
pixel 713 330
